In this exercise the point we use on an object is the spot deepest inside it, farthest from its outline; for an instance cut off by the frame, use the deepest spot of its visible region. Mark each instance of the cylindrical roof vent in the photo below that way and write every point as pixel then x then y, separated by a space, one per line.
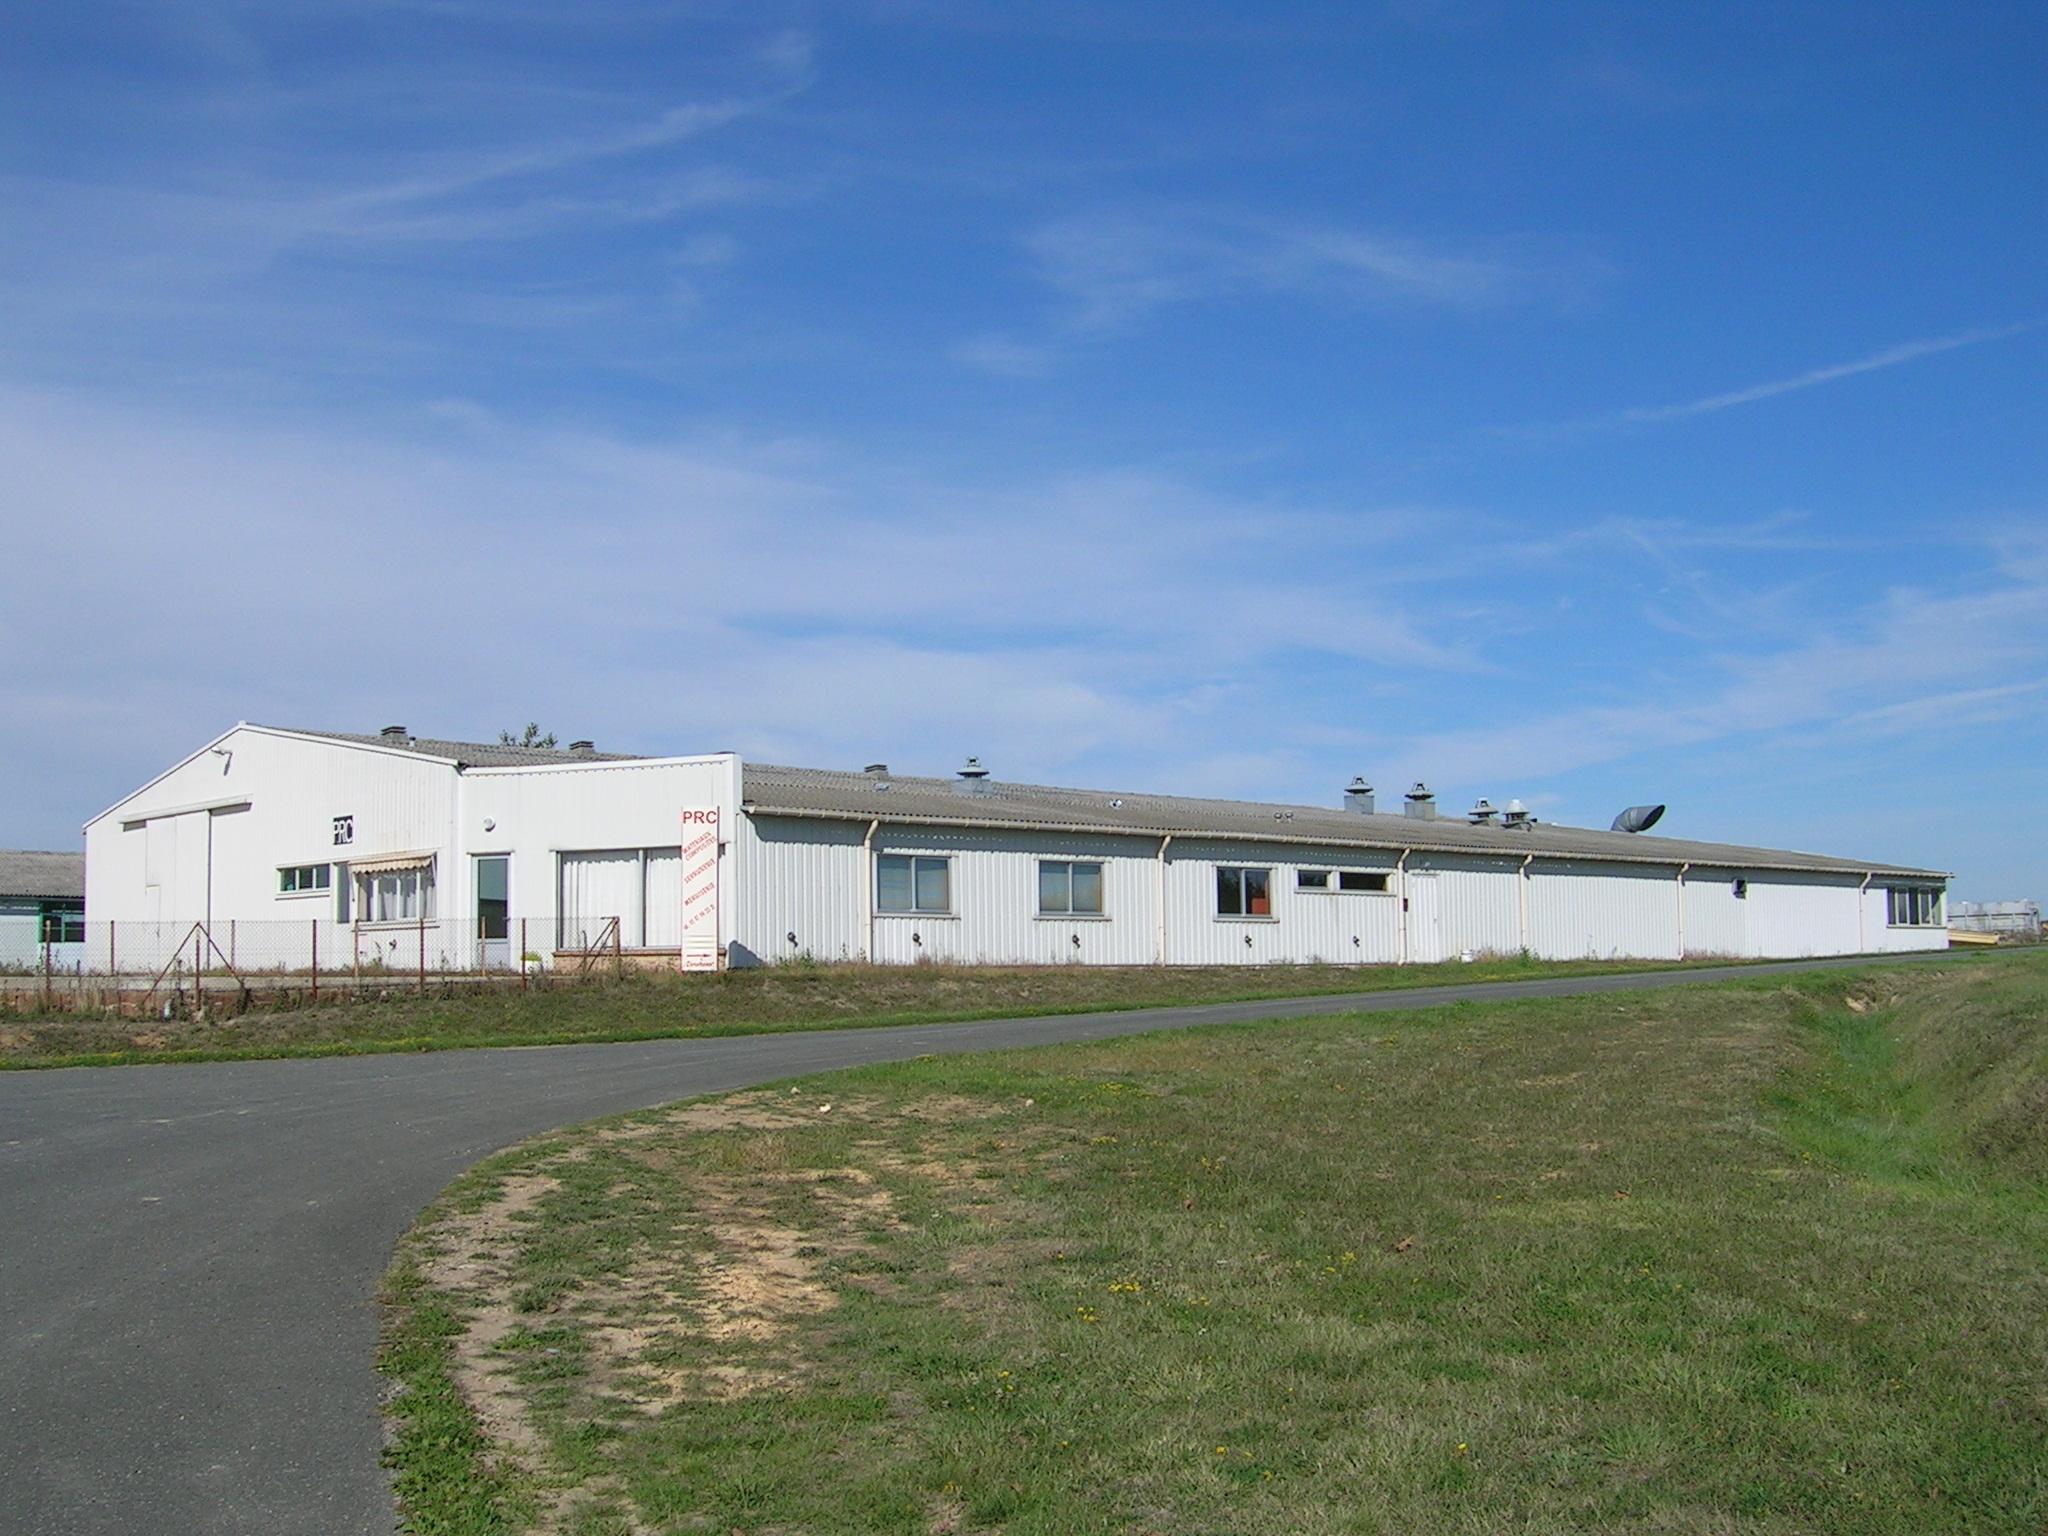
pixel 1421 803
pixel 973 778
pixel 1358 796
pixel 1482 813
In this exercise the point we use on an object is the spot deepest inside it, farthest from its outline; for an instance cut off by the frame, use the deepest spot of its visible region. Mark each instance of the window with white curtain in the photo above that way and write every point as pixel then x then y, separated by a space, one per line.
pixel 396 895
pixel 641 887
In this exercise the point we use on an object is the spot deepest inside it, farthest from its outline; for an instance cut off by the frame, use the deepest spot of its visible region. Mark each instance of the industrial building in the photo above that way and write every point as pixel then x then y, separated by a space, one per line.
pixel 708 861
pixel 42 908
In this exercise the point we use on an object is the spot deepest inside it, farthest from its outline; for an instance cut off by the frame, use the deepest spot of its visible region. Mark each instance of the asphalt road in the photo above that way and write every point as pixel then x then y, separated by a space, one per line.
pixel 189 1254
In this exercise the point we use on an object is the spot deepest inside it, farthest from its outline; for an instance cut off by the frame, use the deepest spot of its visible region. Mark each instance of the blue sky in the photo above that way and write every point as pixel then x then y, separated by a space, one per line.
pixel 1584 403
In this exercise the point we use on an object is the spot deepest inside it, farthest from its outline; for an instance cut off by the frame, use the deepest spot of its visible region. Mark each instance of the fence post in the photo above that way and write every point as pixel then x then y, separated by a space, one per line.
pixel 112 969
pixel 522 954
pixel 316 960
pixel 46 969
pixel 423 954
pixel 198 970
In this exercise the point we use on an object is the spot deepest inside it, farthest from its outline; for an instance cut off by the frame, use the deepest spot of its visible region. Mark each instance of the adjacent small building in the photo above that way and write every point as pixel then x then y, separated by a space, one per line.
pixel 385 839
pixel 42 908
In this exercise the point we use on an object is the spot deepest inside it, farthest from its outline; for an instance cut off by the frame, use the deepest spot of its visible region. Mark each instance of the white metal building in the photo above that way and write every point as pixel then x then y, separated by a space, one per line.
pixel 719 862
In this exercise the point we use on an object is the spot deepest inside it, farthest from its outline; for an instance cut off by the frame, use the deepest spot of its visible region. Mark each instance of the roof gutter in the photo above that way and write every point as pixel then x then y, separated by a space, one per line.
pixel 1249 835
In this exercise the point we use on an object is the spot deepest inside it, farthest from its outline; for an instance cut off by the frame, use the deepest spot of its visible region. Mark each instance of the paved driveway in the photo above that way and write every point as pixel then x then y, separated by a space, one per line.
pixel 188 1254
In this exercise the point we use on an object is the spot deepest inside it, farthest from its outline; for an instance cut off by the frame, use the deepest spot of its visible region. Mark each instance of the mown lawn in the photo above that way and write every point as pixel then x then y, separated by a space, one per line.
pixel 1764 1257
pixel 767 999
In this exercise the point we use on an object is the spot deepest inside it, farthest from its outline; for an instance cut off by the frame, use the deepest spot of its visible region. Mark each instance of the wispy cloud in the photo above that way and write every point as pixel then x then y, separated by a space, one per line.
pixel 1116 268
pixel 1888 357
pixel 1107 272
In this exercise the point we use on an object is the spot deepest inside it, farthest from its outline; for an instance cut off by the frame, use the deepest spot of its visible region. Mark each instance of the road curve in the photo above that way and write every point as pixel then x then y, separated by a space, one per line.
pixel 189 1254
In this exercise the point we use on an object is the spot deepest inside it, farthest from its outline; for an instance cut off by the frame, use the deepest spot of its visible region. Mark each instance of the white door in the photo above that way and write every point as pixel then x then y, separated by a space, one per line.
pixel 1425 924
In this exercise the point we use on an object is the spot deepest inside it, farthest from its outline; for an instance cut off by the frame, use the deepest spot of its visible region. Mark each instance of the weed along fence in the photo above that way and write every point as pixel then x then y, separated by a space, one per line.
pixel 150 968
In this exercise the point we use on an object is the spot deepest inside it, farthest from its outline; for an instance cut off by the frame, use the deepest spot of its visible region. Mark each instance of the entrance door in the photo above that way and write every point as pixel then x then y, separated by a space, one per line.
pixel 494 911
pixel 1425 927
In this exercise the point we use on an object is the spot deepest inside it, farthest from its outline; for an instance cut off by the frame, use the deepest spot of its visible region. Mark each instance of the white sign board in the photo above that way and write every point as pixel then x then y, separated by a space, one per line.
pixel 700 889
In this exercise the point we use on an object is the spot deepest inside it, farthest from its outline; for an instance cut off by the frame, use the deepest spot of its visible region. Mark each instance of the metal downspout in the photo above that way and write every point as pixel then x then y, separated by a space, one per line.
pixel 867 885
pixel 1401 869
pixel 1165 842
pixel 1862 939
pixel 1681 907
pixel 1522 897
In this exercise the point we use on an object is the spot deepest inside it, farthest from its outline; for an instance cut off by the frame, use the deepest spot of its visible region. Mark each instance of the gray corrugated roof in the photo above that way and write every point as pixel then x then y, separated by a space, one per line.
pixel 28 873
pixel 476 754
pixel 770 790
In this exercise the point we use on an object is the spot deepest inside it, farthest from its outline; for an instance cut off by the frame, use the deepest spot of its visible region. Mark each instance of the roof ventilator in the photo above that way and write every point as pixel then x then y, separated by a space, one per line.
pixel 1358 796
pixel 1638 818
pixel 973 778
pixel 583 749
pixel 1516 815
pixel 876 770
pixel 1482 813
pixel 397 735
pixel 1421 803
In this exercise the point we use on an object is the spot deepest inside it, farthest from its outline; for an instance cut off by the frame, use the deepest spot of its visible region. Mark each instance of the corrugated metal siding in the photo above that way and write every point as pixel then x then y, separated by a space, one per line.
pixel 1716 919
pixel 1479 904
pixel 1306 926
pixel 1794 915
pixel 995 916
pixel 801 878
pixel 1582 912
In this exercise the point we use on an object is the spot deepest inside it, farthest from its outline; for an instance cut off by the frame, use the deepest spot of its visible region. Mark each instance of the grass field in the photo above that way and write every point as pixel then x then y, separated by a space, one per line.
pixel 1764 1257
pixel 745 1002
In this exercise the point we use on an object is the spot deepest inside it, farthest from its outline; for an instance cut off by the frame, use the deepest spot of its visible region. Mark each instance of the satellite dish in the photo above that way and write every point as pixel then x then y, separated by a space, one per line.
pixel 1638 818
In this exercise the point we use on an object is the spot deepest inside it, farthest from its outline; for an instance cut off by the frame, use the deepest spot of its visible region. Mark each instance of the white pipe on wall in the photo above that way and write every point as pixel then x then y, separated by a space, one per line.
pixel 1862 939
pixel 1401 869
pixel 1522 897
pixel 1681 907
pixel 867 885
pixel 1165 842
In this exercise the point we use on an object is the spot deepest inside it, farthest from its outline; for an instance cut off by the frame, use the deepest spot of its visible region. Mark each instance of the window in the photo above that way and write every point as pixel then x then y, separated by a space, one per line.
pixel 396 895
pixel 907 883
pixel 304 879
pixel 62 924
pixel 1066 885
pixel 1244 892
pixel 1341 880
pixel 1913 906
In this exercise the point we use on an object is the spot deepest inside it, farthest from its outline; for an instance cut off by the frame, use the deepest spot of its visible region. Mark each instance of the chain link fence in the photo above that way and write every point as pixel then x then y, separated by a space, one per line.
pixel 146 968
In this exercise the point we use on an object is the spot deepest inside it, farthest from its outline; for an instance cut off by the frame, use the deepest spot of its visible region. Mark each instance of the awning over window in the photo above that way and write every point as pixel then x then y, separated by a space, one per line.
pixel 391 863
